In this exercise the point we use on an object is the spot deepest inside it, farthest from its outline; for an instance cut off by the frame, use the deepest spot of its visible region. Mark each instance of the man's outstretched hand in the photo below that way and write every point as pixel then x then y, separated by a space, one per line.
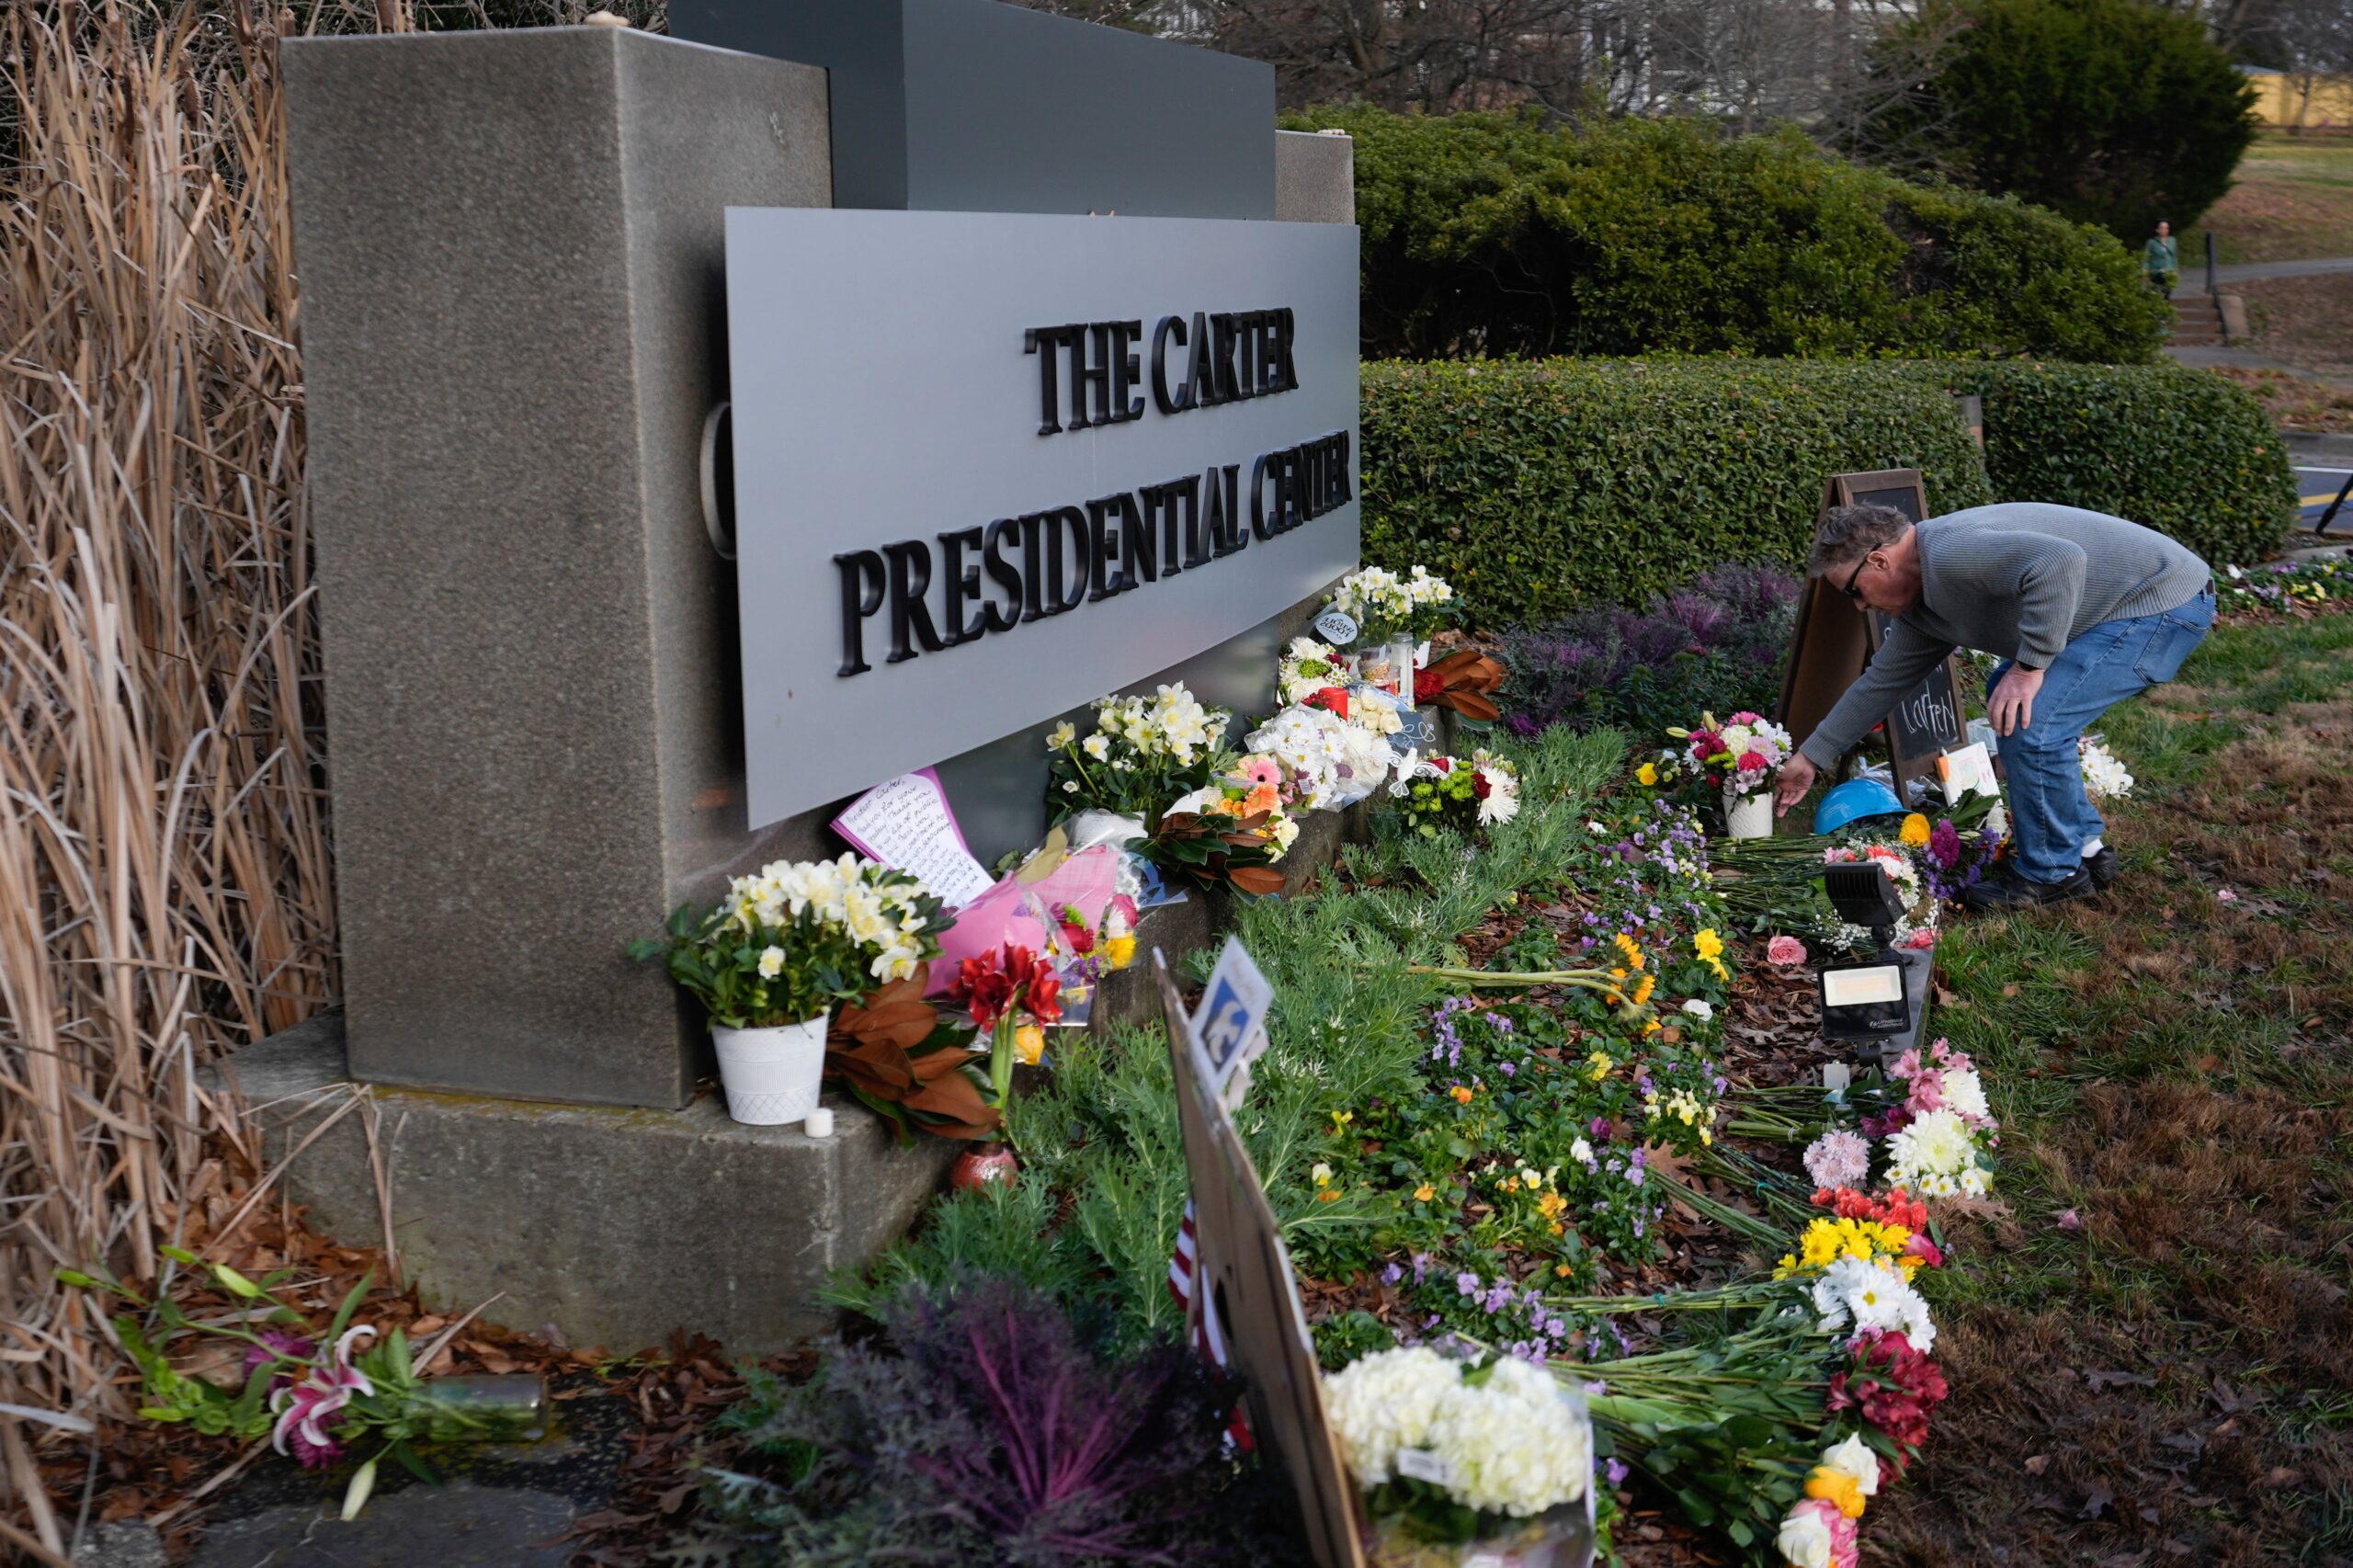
pixel 1796 778
pixel 2011 708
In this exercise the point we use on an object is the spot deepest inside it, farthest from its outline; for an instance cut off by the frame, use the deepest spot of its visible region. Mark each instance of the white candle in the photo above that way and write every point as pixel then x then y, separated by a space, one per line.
pixel 820 1123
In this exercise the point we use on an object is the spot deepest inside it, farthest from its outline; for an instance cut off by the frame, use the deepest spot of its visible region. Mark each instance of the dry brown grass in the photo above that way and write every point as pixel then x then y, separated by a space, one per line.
pixel 164 858
pixel 2295 403
pixel 2307 321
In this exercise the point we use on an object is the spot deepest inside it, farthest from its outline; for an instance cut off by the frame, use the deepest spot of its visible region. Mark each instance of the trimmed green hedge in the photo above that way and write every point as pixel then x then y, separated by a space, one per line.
pixel 1539 485
pixel 2174 448
pixel 1490 235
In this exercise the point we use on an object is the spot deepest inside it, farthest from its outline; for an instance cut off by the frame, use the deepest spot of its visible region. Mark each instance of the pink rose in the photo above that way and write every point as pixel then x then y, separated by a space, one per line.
pixel 1921 941
pixel 1785 951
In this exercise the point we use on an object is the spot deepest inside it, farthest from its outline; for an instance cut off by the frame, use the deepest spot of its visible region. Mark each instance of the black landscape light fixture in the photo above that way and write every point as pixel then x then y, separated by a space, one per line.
pixel 1867 1000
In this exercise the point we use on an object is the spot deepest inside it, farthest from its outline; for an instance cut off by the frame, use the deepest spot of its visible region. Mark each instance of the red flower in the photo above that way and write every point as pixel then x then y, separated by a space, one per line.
pixel 984 988
pixel 1480 787
pixel 1706 744
pixel 1332 699
pixel 1751 762
pixel 1077 936
pixel 1893 1386
pixel 1035 985
pixel 1429 685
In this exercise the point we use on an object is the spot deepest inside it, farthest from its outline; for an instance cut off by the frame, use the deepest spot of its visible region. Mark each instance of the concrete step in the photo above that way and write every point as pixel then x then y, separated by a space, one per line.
pixel 2196 340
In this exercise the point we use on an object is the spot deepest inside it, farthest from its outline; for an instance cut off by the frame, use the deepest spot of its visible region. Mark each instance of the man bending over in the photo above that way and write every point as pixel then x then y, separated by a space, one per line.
pixel 2083 610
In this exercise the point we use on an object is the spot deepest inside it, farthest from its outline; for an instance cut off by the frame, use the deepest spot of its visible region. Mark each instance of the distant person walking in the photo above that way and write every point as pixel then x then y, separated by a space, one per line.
pixel 2161 259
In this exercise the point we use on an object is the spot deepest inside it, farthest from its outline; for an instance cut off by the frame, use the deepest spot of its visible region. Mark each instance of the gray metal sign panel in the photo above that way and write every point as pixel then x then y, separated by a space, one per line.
pixel 892 484
pixel 973 106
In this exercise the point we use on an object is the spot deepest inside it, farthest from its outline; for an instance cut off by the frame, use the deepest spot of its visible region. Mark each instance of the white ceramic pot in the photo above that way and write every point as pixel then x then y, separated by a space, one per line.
pixel 772 1074
pixel 1749 815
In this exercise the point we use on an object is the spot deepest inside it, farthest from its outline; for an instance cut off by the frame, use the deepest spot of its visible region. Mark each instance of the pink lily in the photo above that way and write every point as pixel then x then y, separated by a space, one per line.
pixel 305 1409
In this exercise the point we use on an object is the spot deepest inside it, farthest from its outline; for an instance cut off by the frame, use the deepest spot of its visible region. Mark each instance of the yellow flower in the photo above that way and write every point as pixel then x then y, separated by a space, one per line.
pixel 1562 1269
pixel 1461 1093
pixel 1511 1184
pixel 1643 988
pixel 1915 831
pixel 1550 1204
pixel 1707 944
pixel 1340 1120
pixel 1424 1193
pixel 1835 1486
pixel 1329 1195
pixel 1322 1174
pixel 1646 775
pixel 1029 1044
pixel 1120 951
pixel 1603 1065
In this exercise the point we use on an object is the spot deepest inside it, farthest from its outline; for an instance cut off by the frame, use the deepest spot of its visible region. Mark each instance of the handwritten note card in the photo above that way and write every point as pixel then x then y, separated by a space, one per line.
pixel 907 823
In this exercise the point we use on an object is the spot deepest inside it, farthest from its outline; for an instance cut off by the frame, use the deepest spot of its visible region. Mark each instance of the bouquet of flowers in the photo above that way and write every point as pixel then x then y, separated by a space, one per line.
pixel 1144 752
pixel 1325 761
pixel 790 943
pixel 315 1395
pixel 1231 829
pixel 1938 1130
pixel 2105 778
pixel 1453 793
pixel 1384 604
pixel 1739 757
pixel 1306 667
pixel 1013 996
pixel 1452 1452
pixel 1103 945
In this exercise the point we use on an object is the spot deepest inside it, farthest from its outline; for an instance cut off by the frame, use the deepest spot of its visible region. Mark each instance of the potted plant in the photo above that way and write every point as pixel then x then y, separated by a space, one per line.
pixel 1013 994
pixel 771 960
pixel 1739 759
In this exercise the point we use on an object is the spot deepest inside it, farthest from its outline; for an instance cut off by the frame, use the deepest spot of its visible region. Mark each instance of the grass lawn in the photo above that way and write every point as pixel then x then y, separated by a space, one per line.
pixel 2149 1340
pixel 2293 198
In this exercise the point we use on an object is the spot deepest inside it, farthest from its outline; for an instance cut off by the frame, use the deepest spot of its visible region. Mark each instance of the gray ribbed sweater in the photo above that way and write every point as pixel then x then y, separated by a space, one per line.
pixel 2021 581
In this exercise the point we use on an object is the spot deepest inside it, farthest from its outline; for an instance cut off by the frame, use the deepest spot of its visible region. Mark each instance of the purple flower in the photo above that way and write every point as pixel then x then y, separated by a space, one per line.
pixel 1421 1267
pixel 1617 1472
pixel 1466 1284
pixel 1838 1158
pixel 1390 1275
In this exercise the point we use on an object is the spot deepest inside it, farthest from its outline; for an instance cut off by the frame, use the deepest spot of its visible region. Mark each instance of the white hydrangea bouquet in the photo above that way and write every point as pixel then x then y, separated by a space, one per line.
pixel 1461 1460
pixel 1143 753
pixel 1327 761
pixel 788 943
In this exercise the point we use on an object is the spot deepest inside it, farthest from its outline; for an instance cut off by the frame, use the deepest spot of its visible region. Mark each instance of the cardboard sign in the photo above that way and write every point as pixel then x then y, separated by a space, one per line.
pixel 1243 1268
pixel 1834 639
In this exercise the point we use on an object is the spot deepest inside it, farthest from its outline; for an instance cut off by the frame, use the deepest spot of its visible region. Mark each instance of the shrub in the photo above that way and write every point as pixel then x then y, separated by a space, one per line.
pixel 1490 235
pixel 1716 643
pixel 2171 448
pixel 1539 487
pixel 2116 112
pixel 1536 487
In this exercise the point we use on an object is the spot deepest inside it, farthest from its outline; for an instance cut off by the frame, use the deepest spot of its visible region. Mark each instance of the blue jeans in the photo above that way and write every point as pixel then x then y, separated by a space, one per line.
pixel 2050 815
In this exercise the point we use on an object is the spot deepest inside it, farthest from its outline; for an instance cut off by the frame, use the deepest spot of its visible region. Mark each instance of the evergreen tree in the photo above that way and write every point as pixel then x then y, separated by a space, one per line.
pixel 2115 112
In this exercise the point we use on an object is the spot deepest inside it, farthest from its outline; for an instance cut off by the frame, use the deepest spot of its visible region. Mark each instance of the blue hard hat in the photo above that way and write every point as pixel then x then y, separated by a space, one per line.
pixel 1855 800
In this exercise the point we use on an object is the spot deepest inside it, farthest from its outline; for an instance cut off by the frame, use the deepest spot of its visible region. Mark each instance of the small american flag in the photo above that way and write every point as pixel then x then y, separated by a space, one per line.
pixel 1201 1328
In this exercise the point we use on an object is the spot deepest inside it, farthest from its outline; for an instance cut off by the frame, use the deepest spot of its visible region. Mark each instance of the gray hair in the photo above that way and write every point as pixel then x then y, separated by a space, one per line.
pixel 1847 534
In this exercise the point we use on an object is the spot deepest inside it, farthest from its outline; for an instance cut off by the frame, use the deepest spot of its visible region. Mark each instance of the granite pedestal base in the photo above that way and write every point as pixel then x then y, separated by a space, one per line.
pixel 615 1226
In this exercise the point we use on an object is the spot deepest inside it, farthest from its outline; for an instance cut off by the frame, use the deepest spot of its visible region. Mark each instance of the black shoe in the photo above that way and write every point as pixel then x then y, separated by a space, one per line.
pixel 2103 868
pixel 2007 890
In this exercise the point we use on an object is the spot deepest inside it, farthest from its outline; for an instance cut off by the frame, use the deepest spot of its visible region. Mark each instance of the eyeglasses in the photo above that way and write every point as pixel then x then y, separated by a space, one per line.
pixel 1850 589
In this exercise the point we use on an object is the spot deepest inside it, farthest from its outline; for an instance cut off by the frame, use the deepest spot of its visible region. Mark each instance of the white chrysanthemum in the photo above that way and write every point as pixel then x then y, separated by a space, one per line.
pixel 1862 1295
pixel 1513 1444
pixel 1854 1460
pixel 1933 1153
pixel 1964 1091
pixel 1803 1540
pixel 1383 1403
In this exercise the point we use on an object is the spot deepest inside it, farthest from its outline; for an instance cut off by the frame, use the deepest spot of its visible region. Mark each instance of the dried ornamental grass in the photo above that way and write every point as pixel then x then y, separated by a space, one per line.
pixel 164 858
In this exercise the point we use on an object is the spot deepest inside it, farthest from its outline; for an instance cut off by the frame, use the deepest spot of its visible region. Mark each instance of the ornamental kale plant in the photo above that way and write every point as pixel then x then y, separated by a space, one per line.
pixel 988 1430
pixel 1715 644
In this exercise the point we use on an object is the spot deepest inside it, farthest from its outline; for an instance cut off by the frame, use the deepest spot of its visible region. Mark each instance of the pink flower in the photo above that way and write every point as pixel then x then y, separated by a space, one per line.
pixel 2225 895
pixel 1922 940
pixel 1927 1094
pixel 1946 1057
pixel 1751 762
pixel 1261 770
pixel 284 1344
pixel 1907 1065
pixel 1927 1251
pixel 1747 718
pixel 1785 951
pixel 1838 1158
pixel 2070 1220
pixel 304 1410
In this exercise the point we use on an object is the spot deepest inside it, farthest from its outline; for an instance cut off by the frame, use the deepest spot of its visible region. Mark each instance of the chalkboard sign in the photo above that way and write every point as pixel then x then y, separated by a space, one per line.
pixel 1834 640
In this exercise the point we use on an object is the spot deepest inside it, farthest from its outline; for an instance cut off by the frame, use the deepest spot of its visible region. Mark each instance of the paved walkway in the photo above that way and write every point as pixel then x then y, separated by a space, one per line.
pixel 2251 271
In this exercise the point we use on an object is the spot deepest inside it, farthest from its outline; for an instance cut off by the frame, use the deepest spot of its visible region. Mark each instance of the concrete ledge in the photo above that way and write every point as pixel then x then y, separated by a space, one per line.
pixel 616 1226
